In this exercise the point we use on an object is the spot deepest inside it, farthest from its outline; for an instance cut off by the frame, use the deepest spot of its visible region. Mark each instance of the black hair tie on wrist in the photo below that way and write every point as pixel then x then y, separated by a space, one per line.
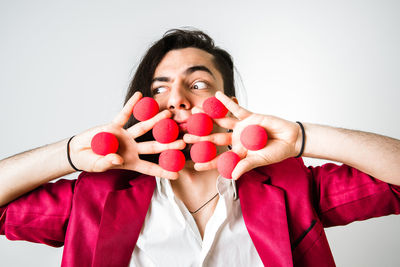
pixel 303 139
pixel 69 158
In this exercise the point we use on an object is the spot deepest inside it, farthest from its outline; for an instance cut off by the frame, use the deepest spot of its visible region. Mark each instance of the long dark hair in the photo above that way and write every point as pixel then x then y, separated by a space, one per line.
pixel 171 40
pixel 177 39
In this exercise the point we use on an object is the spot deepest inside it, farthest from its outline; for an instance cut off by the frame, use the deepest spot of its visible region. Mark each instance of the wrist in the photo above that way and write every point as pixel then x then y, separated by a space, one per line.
pixel 71 163
pixel 300 141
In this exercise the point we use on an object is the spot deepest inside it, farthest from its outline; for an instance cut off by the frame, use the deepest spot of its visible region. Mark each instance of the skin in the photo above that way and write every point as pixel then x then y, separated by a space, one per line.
pixel 181 89
pixel 180 93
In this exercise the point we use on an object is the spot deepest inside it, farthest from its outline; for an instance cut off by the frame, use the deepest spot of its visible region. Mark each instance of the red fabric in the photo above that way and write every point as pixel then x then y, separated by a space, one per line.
pixel 285 206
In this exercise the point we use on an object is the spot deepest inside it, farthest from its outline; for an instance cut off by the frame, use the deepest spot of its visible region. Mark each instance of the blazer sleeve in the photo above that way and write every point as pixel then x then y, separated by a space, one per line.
pixel 39 216
pixel 346 194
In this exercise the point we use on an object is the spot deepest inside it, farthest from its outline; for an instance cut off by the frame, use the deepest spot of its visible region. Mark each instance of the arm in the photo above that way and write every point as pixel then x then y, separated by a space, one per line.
pixel 376 155
pixel 24 172
pixel 21 173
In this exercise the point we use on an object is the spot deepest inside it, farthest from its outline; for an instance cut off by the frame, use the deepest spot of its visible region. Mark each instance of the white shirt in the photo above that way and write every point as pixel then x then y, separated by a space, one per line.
pixel 170 236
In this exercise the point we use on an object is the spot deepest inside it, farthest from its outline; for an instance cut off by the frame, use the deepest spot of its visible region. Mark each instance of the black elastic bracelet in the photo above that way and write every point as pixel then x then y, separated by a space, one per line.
pixel 69 158
pixel 303 139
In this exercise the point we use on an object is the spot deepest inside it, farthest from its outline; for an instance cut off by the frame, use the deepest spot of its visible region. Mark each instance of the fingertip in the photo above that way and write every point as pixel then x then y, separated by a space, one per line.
pixel 173 176
pixel 218 94
pixel 183 144
pixel 196 167
pixel 137 93
pixel 117 162
pixel 186 138
pixel 238 171
pixel 115 159
pixel 236 176
pixel 199 167
pixel 164 114
pixel 135 98
pixel 197 110
pixel 166 111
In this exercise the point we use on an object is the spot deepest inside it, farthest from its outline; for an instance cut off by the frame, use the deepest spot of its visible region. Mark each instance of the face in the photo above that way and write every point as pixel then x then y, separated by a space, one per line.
pixel 183 80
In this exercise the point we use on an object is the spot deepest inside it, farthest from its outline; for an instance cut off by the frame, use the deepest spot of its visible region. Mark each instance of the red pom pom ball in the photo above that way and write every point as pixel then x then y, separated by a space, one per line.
pixel 227 161
pixel 145 109
pixel 254 137
pixel 200 124
pixel 214 108
pixel 104 143
pixel 165 131
pixel 172 160
pixel 203 151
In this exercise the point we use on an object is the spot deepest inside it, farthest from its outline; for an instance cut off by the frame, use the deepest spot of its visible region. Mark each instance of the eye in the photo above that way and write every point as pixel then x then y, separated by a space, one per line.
pixel 200 85
pixel 159 90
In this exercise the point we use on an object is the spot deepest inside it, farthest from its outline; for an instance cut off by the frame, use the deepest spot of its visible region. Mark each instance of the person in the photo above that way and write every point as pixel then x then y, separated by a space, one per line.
pixel 124 209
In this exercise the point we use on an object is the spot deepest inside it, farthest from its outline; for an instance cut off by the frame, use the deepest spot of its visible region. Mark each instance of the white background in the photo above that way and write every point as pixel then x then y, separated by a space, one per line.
pixel 65 66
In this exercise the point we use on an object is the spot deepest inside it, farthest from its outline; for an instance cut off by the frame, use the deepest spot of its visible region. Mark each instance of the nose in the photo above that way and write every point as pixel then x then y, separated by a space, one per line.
pixel 178 99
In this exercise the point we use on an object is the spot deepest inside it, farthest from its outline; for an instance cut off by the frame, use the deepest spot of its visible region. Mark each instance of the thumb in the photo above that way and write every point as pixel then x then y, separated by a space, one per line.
pixel 242 167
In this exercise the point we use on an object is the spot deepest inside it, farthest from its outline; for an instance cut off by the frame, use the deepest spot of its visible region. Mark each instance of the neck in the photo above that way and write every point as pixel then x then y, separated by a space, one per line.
pixel 194 187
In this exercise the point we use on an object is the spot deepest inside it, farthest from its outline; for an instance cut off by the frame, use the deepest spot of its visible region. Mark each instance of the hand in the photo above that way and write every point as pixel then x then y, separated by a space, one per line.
pixel 128 152
pixel 284 138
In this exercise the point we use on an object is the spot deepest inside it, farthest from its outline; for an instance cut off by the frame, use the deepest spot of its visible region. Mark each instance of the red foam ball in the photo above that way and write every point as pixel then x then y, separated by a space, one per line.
pixel 172 160
pixel 203 151
pixel 227 161
pixel 145 109
pixel 104 143
pixel 214 108
pixel 254 137
pixel 165 131
pixel 199 124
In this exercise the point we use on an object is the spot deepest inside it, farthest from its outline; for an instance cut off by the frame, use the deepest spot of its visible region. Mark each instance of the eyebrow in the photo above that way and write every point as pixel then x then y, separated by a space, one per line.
pixel 188 71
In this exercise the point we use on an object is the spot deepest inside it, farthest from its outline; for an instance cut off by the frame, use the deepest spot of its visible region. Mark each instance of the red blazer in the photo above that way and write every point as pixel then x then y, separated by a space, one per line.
pixel 285 206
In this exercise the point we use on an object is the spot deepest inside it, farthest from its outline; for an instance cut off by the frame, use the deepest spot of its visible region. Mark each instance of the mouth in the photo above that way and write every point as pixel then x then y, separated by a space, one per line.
pixel 182 131
pixel 182 126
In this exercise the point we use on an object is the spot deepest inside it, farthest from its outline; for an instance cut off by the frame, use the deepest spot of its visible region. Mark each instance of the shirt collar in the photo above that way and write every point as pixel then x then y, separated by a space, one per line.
pixel 225 187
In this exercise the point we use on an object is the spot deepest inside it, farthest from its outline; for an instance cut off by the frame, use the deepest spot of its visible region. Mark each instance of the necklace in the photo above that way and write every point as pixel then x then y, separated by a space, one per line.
pixel 193 212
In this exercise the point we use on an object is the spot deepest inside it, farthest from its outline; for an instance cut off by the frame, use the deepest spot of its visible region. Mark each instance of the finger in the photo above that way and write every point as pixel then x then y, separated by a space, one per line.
pixel 239 149
pixel 220 139
pixel 154 147
pixel 124 115
pixel 98 163
pixel 197 110
pixel 143 127
pixel 245 165
pixel 153 169
pixel 234 108
pixel 110 161
pixel 226 122
pixel 205 166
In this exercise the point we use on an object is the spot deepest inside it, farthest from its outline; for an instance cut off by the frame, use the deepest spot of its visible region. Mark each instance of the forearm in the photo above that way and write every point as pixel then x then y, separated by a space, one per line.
pixel 376 155
pixel 26 171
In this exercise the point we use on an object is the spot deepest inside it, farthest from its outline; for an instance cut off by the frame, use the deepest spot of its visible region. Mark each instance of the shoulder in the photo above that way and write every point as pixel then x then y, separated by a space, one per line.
pixel 113 180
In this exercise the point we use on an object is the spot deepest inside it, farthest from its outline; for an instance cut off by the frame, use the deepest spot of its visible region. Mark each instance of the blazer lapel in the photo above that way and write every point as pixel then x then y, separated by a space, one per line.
pixel 264 213
pixel 123 217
